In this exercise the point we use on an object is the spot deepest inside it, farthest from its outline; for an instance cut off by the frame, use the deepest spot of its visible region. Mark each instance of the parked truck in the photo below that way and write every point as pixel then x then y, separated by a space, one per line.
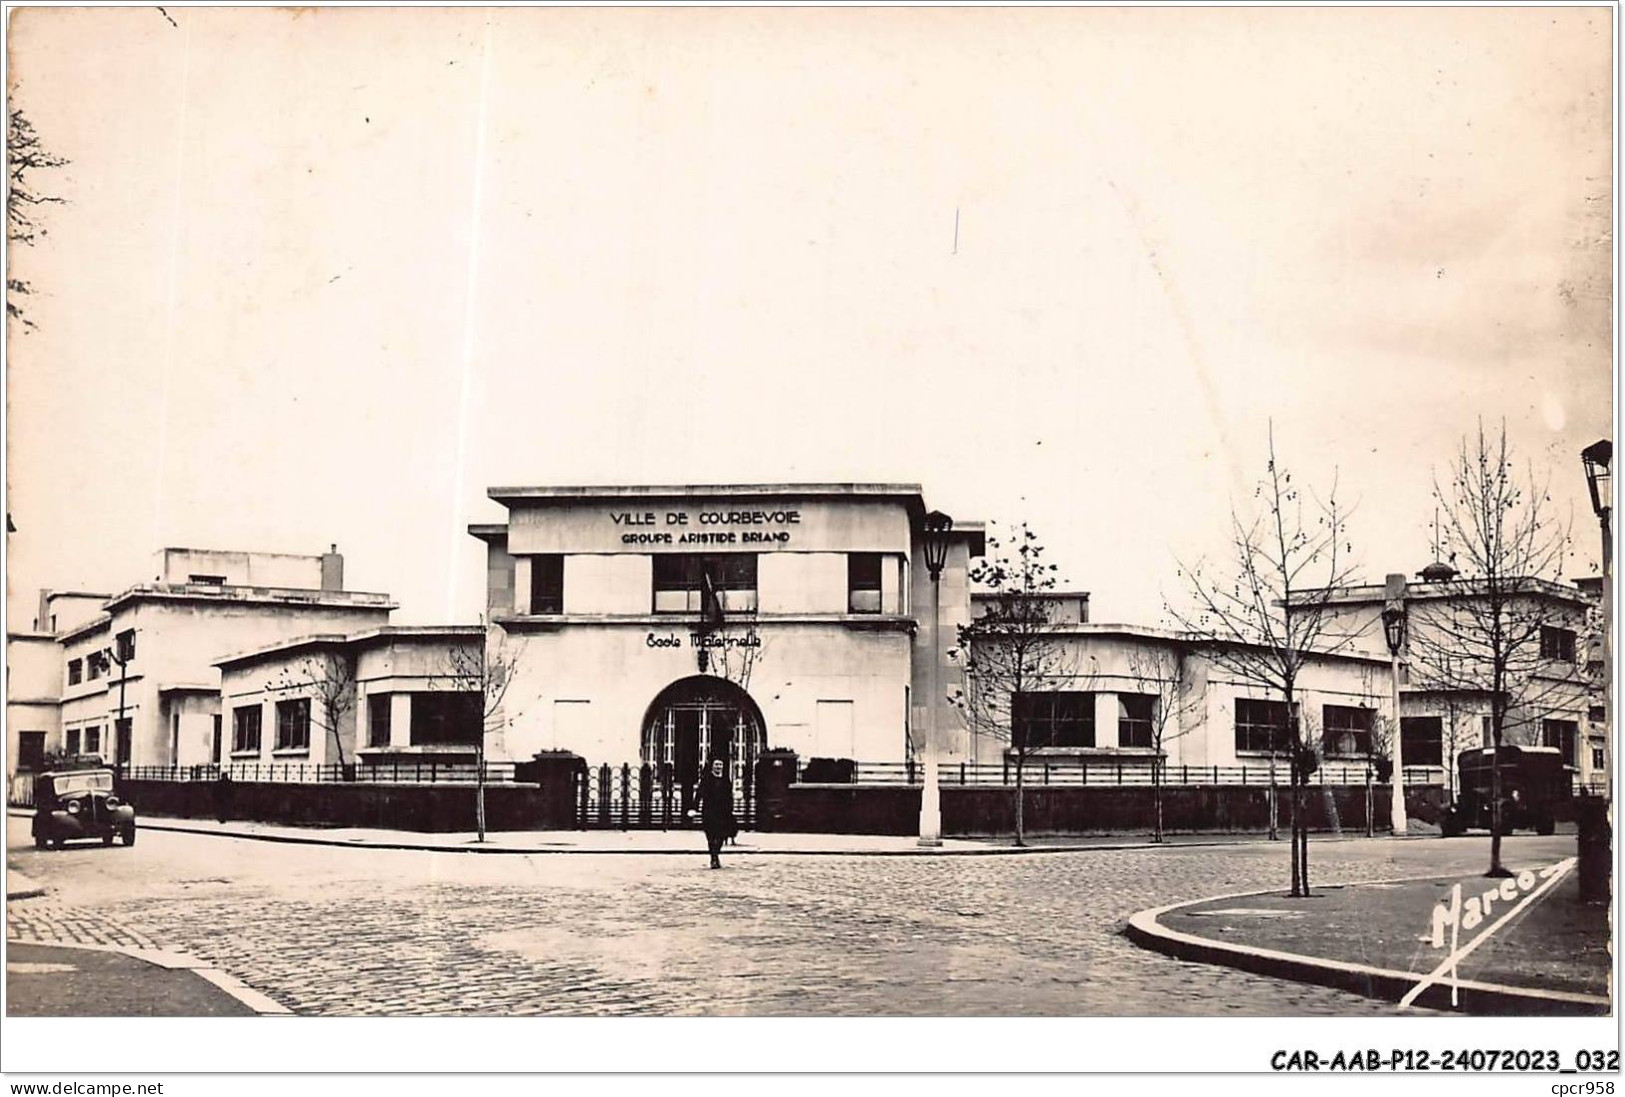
pixel 1535 786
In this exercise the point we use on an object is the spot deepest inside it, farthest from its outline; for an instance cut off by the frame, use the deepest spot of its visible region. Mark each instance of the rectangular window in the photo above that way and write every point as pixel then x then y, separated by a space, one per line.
pixel 216 748
pixel 1565 736
pixel 1599 758
pixel 1421 740
pixel 126 645
pixel 1346 731
pixel 31 750
pixel 1052 719
pixel 93 739
pixel 446 717
pixel 95 665
pixel 681 582
pixel 863 582
pixel 547 584
pixel 207 580
pixel 1598 714
pixel 1136 714
pixel 75 672
pixel 1557 643
pixel 1261 726
pixel 378 714
pixel 245 730
pixel 293 724
pixel 72 741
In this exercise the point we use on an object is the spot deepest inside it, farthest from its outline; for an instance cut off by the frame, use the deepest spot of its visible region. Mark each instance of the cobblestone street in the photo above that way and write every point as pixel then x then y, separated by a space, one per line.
pixel 342 932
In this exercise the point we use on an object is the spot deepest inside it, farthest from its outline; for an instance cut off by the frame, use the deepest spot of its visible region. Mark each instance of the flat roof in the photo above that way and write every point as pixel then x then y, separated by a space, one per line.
pixel 669 491
pixel 286 596
pixel 335 639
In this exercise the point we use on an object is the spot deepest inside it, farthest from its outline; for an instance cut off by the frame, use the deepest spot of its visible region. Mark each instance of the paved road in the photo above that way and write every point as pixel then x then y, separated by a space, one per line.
pixel 381 932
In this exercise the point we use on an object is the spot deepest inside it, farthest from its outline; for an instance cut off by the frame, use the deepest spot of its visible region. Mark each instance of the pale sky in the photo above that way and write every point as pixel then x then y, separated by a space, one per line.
pixel 326 275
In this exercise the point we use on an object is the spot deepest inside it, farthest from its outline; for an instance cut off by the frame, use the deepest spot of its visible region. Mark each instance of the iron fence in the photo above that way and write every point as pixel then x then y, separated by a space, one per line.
pixel 1072 772
pixel 403 773
pixel 651 797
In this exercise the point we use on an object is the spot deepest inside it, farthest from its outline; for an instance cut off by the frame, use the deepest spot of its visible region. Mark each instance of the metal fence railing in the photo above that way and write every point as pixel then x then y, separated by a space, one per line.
pixel 406 773
pixel 1110 772
pixel 648 796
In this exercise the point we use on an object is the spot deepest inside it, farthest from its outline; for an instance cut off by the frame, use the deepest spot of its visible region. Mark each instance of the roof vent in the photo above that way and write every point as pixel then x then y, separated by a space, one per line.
pixel 1437 573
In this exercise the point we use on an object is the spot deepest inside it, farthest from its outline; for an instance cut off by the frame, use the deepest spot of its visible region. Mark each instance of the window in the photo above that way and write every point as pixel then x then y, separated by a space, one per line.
pixel 1557 643
pixel 547 584
pixel 93 739
pixel 208 580
pixel 1421 740
pixel 1346 731
pixel 75 672
pixel 863 582
pixel 31 750
pixel 1564 735
pixel 95 665
pixel 126 645
pixel 1598 714
pixel 215 752
pixel 681 582
pixel 1135 715
pixel 72 741
pixel 293 724
pixel 245 730
pixel 1261 726
pixel 1599 758
pixel 1489 730
pixel 1052 720
pixel 445 717
pixel 378 706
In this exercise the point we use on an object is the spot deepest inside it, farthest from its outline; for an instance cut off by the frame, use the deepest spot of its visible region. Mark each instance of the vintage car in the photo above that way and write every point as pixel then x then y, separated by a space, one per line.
pixel 79 802
pixel 1535 787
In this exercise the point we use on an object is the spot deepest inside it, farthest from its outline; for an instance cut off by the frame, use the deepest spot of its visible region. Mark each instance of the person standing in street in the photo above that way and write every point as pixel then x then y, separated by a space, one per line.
pixel 717 809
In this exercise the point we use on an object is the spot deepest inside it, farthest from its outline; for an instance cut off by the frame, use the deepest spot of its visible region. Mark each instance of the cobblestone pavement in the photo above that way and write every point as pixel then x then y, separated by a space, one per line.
pixel 386 932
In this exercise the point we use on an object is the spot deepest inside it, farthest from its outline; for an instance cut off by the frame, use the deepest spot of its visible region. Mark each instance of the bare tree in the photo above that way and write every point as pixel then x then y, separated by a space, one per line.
pixel 1015 661
pixel 1269 612
pixel 25 155
pixel 327 678
pixel 1489 636
pixel 1159 673
pixel 486 672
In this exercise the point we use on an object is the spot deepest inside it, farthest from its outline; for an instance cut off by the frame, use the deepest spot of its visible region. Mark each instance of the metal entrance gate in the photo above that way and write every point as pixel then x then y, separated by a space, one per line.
pixel 649 797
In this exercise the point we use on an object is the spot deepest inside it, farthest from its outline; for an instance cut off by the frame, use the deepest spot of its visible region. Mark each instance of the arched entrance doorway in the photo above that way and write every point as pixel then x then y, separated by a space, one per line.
pixel 696 719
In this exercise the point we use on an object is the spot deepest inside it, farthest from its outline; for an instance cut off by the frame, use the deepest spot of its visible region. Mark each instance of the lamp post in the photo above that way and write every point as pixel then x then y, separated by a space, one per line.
pixel 1598 458
pixel 1393 628
pixel 935 547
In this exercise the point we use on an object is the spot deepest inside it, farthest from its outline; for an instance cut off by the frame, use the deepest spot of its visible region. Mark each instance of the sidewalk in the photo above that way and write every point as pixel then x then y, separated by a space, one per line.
pixel 688 843
pixel 1537 950
pixel 80 981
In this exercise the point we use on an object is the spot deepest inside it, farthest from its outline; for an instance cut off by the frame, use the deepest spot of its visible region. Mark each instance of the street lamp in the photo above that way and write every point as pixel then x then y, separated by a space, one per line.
pixel 1598 458
pixel 1393 629
pixel 935 547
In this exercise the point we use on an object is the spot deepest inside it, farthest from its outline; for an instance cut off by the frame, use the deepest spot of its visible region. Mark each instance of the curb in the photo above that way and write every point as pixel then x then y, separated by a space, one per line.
pixel 175 961
pixel 1386 984
pixel 991 851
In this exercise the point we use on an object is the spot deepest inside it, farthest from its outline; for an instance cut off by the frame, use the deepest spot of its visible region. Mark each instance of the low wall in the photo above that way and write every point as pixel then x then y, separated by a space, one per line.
pixel 979 811
pixel 429 808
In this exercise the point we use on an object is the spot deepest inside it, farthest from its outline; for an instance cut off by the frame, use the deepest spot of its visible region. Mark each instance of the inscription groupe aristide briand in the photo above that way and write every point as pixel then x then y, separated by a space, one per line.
pixel 643 527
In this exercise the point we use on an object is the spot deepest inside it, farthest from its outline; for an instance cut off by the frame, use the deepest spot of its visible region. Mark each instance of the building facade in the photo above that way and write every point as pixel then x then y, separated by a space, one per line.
pixel 673 624
pixel 132 678
pixel 391 694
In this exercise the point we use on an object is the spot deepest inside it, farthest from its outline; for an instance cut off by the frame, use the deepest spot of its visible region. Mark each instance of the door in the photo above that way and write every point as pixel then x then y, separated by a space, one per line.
pixel 686 752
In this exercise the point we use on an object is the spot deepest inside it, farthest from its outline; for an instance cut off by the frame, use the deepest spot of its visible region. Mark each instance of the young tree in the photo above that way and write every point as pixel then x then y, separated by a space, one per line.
pixel 327 678
pixel 1015 661
pixel 1487 636
pixel 24 156
pixel 1268 612
pixel 487 672
pixel 1159 672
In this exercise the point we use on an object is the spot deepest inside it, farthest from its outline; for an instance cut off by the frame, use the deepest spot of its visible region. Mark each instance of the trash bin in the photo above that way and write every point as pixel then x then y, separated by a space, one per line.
pixel 775 773
pixel 1595 849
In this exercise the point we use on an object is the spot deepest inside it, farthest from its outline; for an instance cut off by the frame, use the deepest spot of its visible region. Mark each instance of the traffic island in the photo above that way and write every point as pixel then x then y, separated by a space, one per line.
pixel 1527 945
